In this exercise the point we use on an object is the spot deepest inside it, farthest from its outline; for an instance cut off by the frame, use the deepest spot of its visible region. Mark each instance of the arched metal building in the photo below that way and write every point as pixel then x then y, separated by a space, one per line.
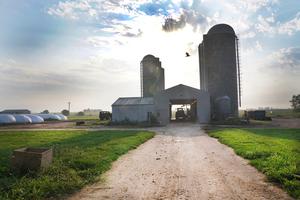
pixel 62 117
pixel 22 119
pixel 7 119
pixel 35 119
pixel 49 117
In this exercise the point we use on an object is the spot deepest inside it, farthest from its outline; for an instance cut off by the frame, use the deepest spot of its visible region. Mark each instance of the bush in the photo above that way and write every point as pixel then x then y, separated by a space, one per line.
pixel 45 112
pixel 65 112
pixel 80 113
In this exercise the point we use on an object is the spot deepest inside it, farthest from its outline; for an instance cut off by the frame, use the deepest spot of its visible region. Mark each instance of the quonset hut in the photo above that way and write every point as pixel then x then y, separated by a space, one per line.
pixel 218 97
pixel 7 119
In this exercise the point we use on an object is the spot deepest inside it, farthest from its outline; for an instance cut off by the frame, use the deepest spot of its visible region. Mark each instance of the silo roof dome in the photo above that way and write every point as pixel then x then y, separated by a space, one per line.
pixel 221 28
pixel 149 57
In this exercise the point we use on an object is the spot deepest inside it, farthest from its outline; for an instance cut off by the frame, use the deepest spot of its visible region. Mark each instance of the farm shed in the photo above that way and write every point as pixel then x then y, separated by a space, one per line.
pixel 134 109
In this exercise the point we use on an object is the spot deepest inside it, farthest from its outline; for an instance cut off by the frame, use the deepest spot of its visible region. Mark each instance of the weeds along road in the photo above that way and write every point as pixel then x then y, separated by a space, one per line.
pixel 182 162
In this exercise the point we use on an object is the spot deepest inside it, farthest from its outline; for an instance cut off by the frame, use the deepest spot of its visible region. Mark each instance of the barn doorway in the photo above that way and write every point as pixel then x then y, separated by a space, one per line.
pixel 183 110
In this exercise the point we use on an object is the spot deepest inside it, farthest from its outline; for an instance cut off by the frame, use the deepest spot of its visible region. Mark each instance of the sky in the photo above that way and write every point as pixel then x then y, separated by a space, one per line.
pixel 88 52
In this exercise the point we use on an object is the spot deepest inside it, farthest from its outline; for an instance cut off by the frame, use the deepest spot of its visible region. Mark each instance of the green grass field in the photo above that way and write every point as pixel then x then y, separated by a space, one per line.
pixel 79 158
pixel 276 112
pixel 84 118
pixel 284 113
pixel 275 152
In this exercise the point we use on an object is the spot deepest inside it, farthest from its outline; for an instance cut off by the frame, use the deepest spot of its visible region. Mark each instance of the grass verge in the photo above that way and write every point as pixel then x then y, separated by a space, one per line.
pixel 275 152
pixel 79 158
pixel 283 113
pixel 83 118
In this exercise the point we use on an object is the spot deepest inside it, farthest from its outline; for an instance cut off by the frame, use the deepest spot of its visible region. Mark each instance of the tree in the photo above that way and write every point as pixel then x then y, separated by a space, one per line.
pixel 65 112
pixel 45 112
pixel 295 103
pixel 80 113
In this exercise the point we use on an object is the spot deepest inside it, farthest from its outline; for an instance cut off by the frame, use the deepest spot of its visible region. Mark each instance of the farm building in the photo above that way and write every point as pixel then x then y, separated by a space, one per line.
pixel 139 109
pixel 218 96
pixel 152 76
pixel 135 109
pixel 7 119
pixel 219 70
pixel 16 111
pixel 22 119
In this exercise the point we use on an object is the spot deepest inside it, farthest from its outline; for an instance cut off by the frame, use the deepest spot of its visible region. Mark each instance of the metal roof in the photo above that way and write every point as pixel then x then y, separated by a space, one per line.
pixel 15 111
pixel 134 101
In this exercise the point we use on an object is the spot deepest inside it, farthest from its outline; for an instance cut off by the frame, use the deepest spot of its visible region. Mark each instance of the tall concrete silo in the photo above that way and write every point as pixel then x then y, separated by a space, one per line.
pixel 152 76
pixel 219 69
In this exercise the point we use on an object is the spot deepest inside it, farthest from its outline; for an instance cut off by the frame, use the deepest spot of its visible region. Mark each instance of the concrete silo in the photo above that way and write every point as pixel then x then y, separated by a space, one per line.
pixel 219 70
pixel 152 76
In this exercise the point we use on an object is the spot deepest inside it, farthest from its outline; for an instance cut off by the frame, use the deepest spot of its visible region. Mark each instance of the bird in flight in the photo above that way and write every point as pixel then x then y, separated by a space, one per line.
pixel 187 54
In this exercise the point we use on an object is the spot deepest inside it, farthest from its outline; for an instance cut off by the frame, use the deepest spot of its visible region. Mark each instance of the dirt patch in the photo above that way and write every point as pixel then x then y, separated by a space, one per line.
pixel 182 162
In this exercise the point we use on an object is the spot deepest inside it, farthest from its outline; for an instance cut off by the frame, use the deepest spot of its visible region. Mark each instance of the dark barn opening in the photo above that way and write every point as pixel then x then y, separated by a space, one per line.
pixel 183 110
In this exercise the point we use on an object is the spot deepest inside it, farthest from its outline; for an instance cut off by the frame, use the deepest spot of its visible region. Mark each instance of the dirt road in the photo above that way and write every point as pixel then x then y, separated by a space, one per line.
pixel 182 162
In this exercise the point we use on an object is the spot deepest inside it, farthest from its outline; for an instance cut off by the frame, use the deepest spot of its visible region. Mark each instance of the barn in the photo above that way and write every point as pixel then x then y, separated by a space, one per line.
pixel 139 109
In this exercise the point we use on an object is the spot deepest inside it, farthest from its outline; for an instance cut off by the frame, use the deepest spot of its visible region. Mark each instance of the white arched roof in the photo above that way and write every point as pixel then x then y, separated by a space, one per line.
pixel 49 117
pixel 22 119
pixel 35 118
pixel 7 119
pixel 62 117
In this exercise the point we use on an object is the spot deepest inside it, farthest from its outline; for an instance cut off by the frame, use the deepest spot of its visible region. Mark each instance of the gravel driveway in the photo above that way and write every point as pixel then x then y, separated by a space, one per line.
pixel 182 162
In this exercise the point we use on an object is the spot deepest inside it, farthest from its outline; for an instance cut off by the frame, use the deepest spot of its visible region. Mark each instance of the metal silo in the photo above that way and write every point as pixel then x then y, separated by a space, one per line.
pixel 152 76
pixel 219 68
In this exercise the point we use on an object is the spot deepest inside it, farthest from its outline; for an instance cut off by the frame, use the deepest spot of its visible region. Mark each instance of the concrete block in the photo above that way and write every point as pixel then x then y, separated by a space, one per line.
pixel 25 159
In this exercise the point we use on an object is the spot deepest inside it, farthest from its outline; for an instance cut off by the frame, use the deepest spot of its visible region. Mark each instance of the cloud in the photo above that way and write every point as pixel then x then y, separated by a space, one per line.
pixel 258 46
pixel 188 16
pixel 110 37
pixel 287 59
pixel 133 34
pixel 155 8
pixel 98 10
pixel 171 24
pixel 265 26
pixel 291 26
pixel 271 80
pixel 269 26
pixel 255 5
pixel 22 78
pixel 111 14
pixel 72 9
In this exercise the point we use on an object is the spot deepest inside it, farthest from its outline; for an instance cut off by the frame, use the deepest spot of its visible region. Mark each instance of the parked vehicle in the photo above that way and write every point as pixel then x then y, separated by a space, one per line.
pixel 180 115
pixel 105 115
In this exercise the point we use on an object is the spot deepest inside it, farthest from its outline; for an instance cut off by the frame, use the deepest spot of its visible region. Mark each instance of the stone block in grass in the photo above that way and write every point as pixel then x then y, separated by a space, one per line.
pixel 31 159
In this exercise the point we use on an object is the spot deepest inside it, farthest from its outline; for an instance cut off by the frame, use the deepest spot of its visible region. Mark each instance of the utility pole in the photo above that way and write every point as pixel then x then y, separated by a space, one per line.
pixel 69 106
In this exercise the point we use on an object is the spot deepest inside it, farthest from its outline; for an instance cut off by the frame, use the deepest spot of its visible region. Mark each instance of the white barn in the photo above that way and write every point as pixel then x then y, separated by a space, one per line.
pixel 139 109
